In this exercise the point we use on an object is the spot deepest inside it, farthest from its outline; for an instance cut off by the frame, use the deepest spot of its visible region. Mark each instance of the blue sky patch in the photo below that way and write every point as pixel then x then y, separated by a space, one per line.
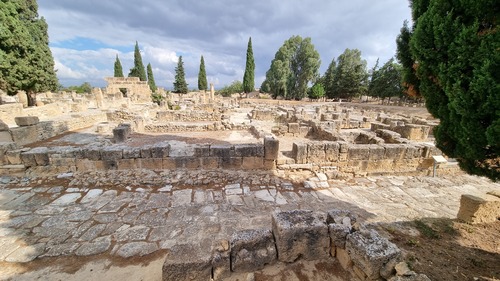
pixel 82 43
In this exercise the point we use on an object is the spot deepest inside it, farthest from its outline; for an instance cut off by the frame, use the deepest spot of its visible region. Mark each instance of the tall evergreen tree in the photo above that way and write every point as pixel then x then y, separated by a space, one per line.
pixel 328 79
pixel 456 43
pixel 351 76
pixel 386 81
pixel 249 76
pixel 26 60
pixel 404 56
pixel 118 68
pixel 138 69
pixel 180 85
pixel 151 79
pixel 202 76
pixel 294 66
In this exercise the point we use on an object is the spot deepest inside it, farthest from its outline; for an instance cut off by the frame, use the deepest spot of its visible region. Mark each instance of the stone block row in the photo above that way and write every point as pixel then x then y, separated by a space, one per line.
pixel 295 234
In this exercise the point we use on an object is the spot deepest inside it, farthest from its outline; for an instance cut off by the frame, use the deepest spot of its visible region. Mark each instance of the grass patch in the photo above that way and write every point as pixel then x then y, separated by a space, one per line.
pixel 426 230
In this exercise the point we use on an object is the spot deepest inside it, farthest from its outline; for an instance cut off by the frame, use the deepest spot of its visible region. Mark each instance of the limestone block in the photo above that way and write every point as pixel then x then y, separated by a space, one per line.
pixel 146 151
pixel 210 163
pixel 332 150
pixel 252 163
pixel 370 252
pixel 338 234
pixel 221 151
pixel 93 154
pixel 359 152
pixel 339 216
pixel 187 263
pixel 412 151
pixel 3 126
pixel 271 148
pixel 24 135
pixel 316 152
pixel 120 134
pixel 61 161
pixel 85 165
pixel 299 152
pixel 202 150
pixel 344 146
pixel 394 151
pixel 126 164
pixel 269 164
pixel 109 164
pixel 41 156
pixel 191 162
pixel 251 250
pixel 23 121
pixel 169 163
pixel 221 261
pixel 231 162
pixel 112 153
pixel 131 152
pixel 293 128
pixel 28 159
pixel 474 209
pixel 13 157
pixel 377 152
pixel 160 150
pixel 248 150
pixel 150 163
pixel 343 257
pixel 5 136
pixel 301 233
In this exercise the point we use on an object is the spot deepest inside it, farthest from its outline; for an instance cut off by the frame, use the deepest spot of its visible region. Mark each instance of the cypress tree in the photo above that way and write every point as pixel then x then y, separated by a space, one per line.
pixel 151 79
pixel 27 63
pixel 118 68
pixel 249 76
pixel 138 69
pixel 202 76
pixel 180 85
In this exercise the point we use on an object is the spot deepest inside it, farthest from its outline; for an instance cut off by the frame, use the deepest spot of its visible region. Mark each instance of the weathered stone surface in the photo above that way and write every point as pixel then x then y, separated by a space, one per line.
pixel 299 152
pixel 136 249
pixel 112 153
pixel 160 150
pixel 301 233
pixel 221 260
pixel 22 121
pixel 251 250
pixel 95 247
pixel 187 263
pixel 416 277
pixel 121 134
pixel 338 234
pixel 369 251
pixel 26 253
pixel 474 209
pixel 271 148
pixel 338 216
pixel 248 150
pixel 3 126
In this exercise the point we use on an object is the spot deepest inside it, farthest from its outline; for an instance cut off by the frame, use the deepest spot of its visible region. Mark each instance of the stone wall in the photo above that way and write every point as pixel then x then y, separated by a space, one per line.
pixel 187 116
pixel 362 159
pixel 9 111
pixel 298 234
pixel 154 157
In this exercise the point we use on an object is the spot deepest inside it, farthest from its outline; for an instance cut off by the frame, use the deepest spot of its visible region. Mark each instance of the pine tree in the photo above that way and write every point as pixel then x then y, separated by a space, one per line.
pixel 249 76
pixel 351 77
pixel 151 79
pixel 328 79
pixel 180 85
pixel 138 69
pixel 118 68
pixel 455 44
pixel 202 76
pixel 26 60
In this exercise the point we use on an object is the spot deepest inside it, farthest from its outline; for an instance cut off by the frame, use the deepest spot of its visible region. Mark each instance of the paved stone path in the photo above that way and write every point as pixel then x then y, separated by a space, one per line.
pixel 38 219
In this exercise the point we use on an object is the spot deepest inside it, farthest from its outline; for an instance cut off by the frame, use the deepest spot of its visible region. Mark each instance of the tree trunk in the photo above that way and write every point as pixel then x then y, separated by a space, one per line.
pixel 31 98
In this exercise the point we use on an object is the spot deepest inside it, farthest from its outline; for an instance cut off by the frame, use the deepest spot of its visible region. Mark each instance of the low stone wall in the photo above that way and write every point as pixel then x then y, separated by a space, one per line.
pixel 362 159
pixel 298 234
pixel 196 127
pixel 408 131
pixel 153 157
pixel 187 116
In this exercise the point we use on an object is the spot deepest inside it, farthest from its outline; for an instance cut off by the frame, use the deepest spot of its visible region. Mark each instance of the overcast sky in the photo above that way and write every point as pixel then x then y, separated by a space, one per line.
pixel 85 36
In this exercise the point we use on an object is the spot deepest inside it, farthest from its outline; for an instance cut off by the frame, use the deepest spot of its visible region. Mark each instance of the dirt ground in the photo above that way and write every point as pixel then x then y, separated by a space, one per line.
pixel 446 250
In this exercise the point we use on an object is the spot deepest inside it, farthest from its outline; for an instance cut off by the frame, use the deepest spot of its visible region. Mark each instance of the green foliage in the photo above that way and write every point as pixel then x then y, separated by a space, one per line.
pixel 157 98
pixel 404 56
pixel 233 88
pixel 118 68
pixel 328 79
pixel 294 66
pixel 386 81
pixel 151 79
pixel 426 230
pixel 138 69
pixel 83 88
pixel 350 76
pixel 180 85
pixel 456 46
pixel 26 62
pixel 202 76
pixel 264 87
pixel 317 91
pixel 249 76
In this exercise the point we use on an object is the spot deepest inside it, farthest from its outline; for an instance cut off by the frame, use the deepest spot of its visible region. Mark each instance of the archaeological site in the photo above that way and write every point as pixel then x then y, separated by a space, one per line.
pixel 103 186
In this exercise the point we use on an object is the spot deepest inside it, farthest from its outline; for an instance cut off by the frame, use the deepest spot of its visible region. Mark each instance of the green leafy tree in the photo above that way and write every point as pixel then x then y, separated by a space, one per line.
pixel 456 44
pixel 405 57
pixel 328 79
pixel 350 79
pixel 118 68
pixel 264 87
pixel 234 88
pixel 316 91
pixel 83 88
pixel 294 66
pixel 138 69
pixel 26 62
pixel 249 76
pixel 202 76
pixel 386 81
pixel 180 85
pixel 151 79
